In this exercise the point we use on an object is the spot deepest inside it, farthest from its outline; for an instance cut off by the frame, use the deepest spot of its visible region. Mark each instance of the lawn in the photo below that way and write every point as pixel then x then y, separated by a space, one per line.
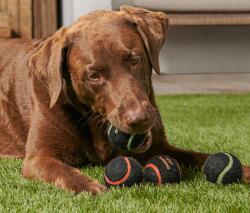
pixel 208 123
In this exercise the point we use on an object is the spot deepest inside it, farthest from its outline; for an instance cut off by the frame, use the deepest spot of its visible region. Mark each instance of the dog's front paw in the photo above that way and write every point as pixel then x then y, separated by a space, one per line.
pixel 95 187
pixel 246 174
pixel 87 185
pixel 80 183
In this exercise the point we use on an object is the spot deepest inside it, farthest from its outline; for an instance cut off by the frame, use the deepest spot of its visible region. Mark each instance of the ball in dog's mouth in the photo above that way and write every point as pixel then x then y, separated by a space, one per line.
pixel 137 143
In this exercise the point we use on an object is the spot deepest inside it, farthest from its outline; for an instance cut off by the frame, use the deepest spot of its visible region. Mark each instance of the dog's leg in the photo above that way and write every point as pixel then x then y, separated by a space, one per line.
pixel 51 170
pixel 51 148
pixel 187 157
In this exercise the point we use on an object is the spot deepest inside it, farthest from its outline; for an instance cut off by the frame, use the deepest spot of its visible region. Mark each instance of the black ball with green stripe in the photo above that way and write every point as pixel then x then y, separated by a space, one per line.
pixel 123 140
pixel 223 168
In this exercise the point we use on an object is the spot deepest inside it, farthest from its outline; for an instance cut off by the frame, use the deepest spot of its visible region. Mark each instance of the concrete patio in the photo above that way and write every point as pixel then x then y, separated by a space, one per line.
pixel 201 83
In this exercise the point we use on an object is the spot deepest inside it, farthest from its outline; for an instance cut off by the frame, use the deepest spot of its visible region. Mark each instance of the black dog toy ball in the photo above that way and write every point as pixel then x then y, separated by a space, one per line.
pixel 162 170
pixel 123 140
pixel 123 171
pixel 223 168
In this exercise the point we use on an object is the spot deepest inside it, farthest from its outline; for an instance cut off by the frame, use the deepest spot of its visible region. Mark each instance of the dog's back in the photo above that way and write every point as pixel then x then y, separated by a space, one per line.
pixel 15 101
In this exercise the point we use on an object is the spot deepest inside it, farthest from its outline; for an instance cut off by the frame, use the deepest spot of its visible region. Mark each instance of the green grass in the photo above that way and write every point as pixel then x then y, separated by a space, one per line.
pixel 208 123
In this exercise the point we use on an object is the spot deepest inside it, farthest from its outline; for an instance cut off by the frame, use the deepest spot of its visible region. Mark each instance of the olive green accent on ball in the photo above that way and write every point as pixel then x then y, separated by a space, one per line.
pixel 110 127
pixel 130 141
pixel 226 169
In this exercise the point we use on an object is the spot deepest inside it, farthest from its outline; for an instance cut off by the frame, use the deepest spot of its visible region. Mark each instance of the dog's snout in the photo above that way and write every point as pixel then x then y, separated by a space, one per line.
pixel 138 118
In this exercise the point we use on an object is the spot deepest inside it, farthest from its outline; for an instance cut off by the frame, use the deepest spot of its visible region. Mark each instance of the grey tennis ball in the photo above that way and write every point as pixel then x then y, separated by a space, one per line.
pixel 223 168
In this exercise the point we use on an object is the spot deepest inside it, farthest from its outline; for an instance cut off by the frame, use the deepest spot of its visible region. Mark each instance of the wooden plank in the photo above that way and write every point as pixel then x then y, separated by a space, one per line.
pixel 26 18
pixel 13 16
pixel 37 19
pixel 45 17
pixel 51 17
pixel 4 26
pixel 3 6
pixel 203 19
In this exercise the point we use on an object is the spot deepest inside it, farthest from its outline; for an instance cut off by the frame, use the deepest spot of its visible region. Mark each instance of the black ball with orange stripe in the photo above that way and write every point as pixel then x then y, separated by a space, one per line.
pixel 161 170
pixel 123 171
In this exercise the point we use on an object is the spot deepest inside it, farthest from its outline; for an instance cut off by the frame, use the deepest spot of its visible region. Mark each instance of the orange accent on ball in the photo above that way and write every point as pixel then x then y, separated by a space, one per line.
pixel 166 162
pixel 158 174
pixel 125 176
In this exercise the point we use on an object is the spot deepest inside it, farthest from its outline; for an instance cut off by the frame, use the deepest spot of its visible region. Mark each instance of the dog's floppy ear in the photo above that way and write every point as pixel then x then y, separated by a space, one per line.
pixel 47 61
pixel 152 27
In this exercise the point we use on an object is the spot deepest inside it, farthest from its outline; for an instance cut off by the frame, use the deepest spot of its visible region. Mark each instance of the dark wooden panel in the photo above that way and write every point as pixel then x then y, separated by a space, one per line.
pixel 25 18
pixel 45 17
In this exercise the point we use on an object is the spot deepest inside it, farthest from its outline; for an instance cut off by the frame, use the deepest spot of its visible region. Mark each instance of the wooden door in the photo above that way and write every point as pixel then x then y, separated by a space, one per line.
pixel 28 18
pixel 4 25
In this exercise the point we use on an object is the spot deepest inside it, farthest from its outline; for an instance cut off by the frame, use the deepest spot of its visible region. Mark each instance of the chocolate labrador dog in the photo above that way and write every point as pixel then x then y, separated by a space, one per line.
pixel 59 94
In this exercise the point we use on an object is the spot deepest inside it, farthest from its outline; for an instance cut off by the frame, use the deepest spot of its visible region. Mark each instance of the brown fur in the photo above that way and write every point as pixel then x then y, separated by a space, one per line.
pixel 57 94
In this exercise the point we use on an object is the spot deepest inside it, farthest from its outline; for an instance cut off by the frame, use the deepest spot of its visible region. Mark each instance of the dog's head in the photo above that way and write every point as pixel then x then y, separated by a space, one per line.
pixel 108 58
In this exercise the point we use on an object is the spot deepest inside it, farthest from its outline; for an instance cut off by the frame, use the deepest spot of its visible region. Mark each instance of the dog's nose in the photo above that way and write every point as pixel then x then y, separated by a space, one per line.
pixel 137 119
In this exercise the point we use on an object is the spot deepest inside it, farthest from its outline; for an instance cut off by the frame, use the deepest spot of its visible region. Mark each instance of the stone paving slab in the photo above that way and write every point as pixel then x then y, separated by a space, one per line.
pixel 201 83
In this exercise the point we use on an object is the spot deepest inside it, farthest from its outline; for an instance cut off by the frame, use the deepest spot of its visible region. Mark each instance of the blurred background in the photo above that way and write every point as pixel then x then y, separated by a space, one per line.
pixel 207 47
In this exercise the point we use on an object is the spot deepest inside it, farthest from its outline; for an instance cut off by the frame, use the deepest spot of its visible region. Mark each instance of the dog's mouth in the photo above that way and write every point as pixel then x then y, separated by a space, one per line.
pixel 145 145
pixel 133 142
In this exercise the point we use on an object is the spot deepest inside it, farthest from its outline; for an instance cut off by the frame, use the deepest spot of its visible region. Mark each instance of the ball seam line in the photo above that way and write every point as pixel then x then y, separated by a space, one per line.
pixel 125 176
pixel 226 169
pixel 166 162
pixel 157 172
pixel 179 168
pixel 110 127
pixel 130 141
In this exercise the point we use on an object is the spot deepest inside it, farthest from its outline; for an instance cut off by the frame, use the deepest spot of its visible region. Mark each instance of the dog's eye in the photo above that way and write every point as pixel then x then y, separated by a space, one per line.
pixel 95 75
pixel 135 60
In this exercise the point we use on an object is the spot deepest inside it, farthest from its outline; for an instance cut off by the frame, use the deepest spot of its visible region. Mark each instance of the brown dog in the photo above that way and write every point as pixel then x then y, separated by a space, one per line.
pixel 57 96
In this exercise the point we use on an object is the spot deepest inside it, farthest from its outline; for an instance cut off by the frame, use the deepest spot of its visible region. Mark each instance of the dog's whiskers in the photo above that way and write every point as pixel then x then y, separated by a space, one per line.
pixel 93 118
pixel 82 117
pixel 101 121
